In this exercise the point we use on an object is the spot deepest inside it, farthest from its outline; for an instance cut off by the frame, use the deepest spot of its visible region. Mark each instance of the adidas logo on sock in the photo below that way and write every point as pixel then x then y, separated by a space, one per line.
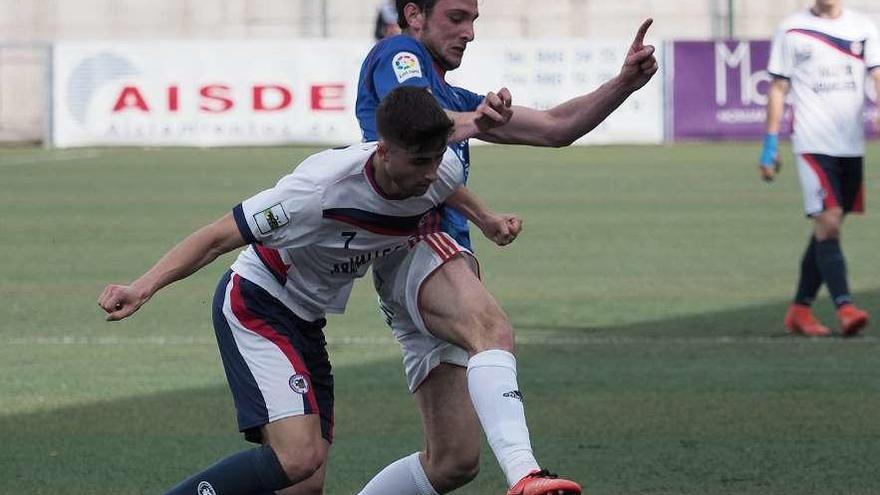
pixel 514 394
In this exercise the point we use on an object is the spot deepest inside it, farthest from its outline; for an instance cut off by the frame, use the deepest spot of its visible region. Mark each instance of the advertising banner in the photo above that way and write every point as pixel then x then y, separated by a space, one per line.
pixel 543 73
pixel 718 90
pixel 235 93
pixel 200 93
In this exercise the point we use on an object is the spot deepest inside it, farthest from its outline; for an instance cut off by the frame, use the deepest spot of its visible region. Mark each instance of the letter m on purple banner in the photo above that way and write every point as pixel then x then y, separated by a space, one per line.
pixel 718 90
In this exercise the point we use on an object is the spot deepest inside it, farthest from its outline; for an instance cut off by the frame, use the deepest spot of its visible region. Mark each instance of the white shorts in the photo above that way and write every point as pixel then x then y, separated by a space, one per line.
pixel 398 280
pixel 276 363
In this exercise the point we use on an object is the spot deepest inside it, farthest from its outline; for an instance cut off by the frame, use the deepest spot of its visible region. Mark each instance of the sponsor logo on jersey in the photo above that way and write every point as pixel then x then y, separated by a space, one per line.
pixel 271 218
pixel 803 54
pixel 355 263
pixel 299 384
pixel 205 488
pixel 514 394
pixel 406 66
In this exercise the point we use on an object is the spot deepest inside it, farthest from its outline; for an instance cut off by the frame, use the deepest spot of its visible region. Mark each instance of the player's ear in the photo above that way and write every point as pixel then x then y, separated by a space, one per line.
pixel 381 150
pixel 415 17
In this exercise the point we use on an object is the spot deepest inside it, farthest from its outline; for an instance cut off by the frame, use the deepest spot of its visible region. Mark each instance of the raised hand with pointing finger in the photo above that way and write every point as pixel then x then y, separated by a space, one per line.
pixel 640 64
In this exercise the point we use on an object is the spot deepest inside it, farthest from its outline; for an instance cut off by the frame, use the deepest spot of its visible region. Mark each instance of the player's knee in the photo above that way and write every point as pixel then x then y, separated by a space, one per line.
pixel 455 471
pixel 301 462
pixel 828 224
pixel 483 329
pixel 496 328
pixel 828 229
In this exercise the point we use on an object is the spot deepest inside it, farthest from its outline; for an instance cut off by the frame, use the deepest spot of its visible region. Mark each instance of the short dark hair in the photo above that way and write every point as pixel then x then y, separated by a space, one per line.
pixel 410 117
pixel 424 5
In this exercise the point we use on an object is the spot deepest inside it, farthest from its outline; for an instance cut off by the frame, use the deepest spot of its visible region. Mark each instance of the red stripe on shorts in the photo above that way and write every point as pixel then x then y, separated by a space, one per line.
pixel 830 200
pixel 259 326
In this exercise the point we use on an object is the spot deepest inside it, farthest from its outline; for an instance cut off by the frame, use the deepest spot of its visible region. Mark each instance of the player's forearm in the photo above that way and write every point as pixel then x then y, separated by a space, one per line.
pixel 578 116
pixel 465 126
pixel 776 105
pixel 470 205
pixel 196 251
pixel 562 124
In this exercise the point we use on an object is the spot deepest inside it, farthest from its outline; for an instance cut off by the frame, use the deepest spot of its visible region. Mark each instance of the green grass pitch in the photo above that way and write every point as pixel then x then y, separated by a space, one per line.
pixel 647 290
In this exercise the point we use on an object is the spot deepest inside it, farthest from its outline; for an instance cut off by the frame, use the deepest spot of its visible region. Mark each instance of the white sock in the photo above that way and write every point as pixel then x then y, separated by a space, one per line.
pixel 402 477
pixel 495 394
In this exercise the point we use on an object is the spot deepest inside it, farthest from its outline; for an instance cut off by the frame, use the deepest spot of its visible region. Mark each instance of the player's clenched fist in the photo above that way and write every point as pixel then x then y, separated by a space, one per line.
pixel 503 228
pixel 120 301
pixel 495 110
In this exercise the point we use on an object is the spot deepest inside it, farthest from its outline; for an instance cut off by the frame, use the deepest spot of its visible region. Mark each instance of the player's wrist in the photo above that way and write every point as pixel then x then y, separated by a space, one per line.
pixel 770 150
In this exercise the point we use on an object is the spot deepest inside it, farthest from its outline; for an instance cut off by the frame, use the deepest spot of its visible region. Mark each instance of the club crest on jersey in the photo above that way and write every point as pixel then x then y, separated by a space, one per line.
pixel 271 218
pixel 205 488
pixel 406 66
pixel 856 48
pixel 299 384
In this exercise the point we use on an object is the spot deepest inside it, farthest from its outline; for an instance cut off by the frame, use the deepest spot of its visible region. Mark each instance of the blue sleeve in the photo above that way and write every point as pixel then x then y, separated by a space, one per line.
pixel 402 61
pixel 471 99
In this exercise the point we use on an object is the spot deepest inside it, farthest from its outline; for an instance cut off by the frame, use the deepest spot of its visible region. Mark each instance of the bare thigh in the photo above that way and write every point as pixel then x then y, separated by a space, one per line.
pixel 457 308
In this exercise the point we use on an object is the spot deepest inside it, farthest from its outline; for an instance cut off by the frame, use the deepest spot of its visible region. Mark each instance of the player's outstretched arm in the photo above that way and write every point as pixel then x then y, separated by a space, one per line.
pixel 569 121
pixel 770 162
pixel 199 249
pixel 500 228
pixel 495 110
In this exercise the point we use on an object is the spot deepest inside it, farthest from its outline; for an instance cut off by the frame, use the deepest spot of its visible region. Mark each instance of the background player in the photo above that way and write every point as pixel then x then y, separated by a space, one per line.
pixel 821 54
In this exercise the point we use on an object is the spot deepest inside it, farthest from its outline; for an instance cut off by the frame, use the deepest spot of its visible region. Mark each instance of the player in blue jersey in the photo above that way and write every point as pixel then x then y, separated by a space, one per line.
pixel 452 299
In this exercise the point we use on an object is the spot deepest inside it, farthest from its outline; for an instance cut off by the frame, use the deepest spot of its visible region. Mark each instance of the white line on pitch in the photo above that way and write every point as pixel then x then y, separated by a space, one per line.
pixel 38 157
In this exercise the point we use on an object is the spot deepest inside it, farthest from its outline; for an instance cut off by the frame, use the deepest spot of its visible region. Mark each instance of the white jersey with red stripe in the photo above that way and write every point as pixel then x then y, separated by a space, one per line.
pixel 322 226
pixel 827 61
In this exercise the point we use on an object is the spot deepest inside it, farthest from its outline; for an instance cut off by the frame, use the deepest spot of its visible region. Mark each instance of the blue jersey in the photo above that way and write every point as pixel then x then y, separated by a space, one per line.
pixel 403 60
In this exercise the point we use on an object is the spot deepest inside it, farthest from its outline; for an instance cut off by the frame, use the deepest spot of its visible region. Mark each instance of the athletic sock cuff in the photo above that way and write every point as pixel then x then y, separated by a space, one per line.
pixel 423 484
pixel 492 358
pixel 269 468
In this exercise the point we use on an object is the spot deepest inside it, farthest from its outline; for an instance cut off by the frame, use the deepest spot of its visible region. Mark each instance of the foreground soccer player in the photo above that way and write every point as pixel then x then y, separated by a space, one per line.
pixel 821 55
pixel 310 236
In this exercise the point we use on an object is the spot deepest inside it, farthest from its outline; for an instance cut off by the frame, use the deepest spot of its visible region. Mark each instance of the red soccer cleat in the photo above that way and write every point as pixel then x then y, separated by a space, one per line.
pixel 852 320
pixel 544 482
pixel 799 320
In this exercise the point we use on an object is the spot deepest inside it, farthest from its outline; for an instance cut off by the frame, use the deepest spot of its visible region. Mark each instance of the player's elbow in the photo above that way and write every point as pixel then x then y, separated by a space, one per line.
pixel 558 138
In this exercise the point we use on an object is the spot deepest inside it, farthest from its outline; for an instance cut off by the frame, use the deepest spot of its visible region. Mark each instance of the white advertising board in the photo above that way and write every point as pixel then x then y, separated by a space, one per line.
pixel 246 93
pixel 216 93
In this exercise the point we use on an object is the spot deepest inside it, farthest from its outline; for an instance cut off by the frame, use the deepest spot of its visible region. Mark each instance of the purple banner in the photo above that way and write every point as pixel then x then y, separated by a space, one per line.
pixel 718 90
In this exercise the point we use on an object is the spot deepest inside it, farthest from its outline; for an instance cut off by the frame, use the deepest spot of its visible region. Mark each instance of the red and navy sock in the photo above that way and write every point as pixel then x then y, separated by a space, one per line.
pixel 832 265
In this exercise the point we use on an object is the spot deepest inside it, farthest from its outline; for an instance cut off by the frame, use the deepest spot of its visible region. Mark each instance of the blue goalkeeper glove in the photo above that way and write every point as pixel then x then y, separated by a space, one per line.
pixel 770 162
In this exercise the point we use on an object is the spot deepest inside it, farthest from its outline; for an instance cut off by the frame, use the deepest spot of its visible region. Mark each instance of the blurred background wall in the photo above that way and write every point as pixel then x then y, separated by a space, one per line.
pixel 27 27
pixel 41 20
